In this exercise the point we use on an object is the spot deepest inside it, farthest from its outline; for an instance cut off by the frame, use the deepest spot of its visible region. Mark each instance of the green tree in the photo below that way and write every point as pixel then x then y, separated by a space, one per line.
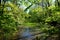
pixel 10 18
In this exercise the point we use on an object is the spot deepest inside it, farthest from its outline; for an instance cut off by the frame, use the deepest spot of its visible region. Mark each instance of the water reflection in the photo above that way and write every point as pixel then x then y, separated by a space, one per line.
pixel 27 34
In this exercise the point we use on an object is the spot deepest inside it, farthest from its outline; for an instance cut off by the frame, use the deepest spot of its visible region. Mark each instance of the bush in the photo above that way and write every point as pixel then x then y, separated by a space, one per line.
pixel 10 19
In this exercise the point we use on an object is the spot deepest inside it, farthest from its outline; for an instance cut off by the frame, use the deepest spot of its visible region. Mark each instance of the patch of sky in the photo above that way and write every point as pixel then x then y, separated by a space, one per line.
pixel 53 2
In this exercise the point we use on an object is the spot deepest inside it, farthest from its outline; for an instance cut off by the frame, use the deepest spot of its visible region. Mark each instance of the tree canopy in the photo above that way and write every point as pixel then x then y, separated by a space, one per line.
pixel 44 14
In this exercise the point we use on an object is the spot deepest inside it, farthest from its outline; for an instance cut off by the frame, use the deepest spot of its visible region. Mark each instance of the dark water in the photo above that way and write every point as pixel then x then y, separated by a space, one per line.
pixel 27 34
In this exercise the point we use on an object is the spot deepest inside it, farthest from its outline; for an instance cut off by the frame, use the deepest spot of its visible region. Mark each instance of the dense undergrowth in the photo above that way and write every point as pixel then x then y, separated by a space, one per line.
pixel 46 18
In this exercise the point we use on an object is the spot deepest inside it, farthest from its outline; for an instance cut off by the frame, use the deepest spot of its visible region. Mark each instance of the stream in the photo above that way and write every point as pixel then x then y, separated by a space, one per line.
pixel 28 33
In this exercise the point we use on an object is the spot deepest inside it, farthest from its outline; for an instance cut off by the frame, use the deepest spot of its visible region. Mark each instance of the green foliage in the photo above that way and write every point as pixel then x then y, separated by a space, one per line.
pixel 41 15
pixel 11 17
pixel 34 1
pixel 45 16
